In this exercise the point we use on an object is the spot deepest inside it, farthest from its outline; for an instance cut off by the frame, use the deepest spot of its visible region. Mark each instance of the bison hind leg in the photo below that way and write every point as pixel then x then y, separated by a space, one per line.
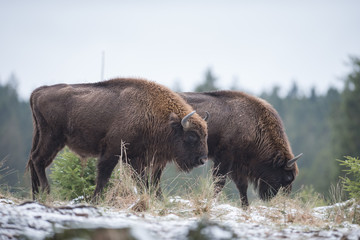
pixel 40 159
pixel 35 182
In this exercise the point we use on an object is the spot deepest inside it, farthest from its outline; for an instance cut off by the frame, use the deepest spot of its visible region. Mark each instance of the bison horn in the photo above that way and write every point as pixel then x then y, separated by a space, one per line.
pixel 291 162
pixel 207 116
pixel 184 121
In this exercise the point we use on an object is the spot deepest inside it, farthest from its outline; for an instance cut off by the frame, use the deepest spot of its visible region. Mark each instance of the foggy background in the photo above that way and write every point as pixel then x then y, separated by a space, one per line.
pixel 252 44
pixel 300 56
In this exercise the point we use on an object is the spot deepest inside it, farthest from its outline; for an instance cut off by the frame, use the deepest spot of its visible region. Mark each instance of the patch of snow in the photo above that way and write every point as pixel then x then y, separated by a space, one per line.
pixel 171 217
pixel 37 221
pixel 140 233
pixel 77 200
pixel 6 201
pixel 178 199
pixel 217 233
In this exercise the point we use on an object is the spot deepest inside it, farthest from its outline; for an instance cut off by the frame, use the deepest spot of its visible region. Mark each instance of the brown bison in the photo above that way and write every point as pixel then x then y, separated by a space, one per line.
pixel 247 142
pixel 93 120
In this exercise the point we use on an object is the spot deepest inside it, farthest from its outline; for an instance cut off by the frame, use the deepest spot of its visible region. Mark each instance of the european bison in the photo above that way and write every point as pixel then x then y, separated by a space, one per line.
pixel 247 142
pixel 93 120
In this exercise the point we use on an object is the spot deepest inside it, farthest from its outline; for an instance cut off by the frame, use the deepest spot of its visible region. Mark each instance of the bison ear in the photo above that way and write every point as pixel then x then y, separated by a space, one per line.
pixel 206 118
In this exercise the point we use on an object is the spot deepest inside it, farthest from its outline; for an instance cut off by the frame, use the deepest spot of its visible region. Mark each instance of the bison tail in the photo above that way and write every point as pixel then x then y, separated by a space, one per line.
pixel 35 182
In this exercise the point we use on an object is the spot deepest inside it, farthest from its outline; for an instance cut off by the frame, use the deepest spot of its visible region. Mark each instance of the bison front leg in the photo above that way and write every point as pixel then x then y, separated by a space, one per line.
pixel 156 183
pixel 105 166
pixel 219 178
pixel 148 179
pixel 242 185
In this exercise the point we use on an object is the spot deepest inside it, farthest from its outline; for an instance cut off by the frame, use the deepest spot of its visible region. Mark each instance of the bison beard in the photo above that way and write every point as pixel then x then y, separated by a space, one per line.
pixel 247 143
pixel 93 120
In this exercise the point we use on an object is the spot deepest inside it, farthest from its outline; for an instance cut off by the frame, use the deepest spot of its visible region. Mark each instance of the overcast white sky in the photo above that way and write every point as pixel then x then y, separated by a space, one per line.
pixel 260 43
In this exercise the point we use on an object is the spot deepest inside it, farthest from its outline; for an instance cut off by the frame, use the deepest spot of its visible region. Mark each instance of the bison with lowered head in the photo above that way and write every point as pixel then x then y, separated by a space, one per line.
pixel 93 120
pixel 247 142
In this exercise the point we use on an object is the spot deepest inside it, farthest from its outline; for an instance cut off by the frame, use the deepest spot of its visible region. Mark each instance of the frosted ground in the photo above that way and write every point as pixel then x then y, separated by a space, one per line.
pixel 32 220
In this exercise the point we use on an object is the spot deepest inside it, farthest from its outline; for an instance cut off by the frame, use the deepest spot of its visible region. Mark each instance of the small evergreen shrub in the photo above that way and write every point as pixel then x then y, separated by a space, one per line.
pixel 72 179
pixel 351 180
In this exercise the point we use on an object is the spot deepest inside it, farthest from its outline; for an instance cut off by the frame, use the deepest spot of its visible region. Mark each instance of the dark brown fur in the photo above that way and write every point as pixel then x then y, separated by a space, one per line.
pixel 93 119
pixel 247 142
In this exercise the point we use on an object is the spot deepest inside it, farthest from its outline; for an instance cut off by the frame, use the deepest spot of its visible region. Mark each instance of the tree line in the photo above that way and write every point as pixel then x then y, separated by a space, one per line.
pixel 324 127
pixel 15 134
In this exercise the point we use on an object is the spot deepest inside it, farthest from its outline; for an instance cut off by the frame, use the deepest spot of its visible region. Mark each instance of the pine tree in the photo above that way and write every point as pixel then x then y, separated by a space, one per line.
pixel 208 84
pixel 15 132
pixel 346 119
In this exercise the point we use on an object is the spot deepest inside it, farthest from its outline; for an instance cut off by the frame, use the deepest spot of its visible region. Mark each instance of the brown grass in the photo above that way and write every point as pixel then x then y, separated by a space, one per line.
pixel 122 191
pixel 287 210
pixel 348 211
pixel 127 192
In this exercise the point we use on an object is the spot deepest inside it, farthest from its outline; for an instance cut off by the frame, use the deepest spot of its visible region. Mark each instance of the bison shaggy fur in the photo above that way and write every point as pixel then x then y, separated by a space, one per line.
pixel 93 120
pixel 247 142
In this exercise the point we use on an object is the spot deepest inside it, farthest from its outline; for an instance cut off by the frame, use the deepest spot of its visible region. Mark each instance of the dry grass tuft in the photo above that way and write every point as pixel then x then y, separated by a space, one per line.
pixel 122 190
pixel 143 204
pixel 284 210
pixel 337 193
pixel 201 194
pixel 303 217
pixel 9 196
pixel 348 211
pixel 127 190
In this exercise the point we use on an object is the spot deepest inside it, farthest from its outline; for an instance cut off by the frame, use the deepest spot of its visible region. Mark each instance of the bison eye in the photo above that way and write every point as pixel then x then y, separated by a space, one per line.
pixel 191 137
pixel 289 177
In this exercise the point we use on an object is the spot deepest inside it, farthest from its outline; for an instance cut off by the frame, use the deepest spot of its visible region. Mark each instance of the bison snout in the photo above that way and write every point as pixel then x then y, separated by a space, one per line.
pixel 203 159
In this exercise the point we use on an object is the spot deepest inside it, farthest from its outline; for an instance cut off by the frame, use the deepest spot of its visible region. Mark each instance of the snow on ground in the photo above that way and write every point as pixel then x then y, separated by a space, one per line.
pixel 31 220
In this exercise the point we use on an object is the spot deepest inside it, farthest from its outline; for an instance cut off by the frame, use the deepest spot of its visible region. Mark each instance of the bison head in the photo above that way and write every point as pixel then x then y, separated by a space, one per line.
pixel 276 176
pixel 189 139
